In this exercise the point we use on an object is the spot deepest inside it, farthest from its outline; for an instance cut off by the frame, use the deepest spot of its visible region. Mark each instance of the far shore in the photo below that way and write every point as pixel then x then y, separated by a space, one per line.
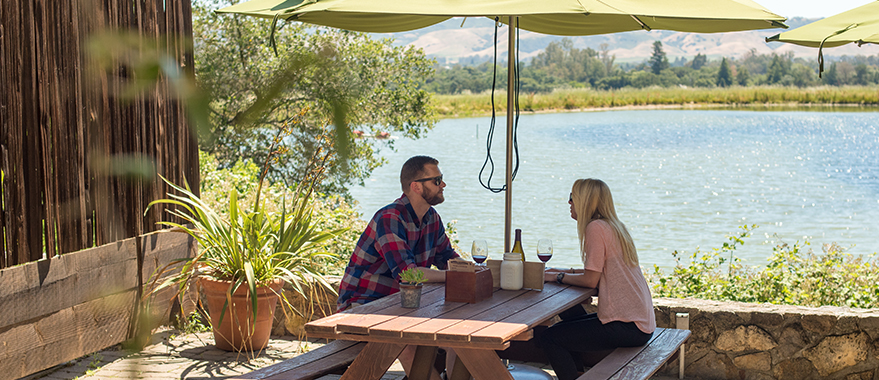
pixel 826 98
pixel 700 106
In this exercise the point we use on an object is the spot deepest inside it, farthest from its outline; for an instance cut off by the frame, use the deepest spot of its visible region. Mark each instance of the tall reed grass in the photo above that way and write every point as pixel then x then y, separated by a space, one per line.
pixel 466 105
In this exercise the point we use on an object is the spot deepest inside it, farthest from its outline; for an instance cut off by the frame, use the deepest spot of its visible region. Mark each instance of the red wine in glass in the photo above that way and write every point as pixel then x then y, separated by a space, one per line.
pixel 544 249
pixel 479 252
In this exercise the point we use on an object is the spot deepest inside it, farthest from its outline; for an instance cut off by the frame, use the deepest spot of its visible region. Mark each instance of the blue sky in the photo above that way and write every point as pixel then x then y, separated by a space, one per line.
pixel 810 8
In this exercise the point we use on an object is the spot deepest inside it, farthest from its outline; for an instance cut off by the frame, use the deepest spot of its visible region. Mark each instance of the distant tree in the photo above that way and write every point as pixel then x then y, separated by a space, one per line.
pixel 845 73
pixel 862 75
pixel 658 61
pixel 567 65
pixel 607 59
pixel 800 76
pixel 724 76
pixel 778 69
pixel 742 76
pixel 679 62
pixel 830 76
pixel 698 61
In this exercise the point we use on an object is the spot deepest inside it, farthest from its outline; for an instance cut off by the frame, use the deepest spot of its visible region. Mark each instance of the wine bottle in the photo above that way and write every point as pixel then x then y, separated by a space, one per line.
pixel 517 246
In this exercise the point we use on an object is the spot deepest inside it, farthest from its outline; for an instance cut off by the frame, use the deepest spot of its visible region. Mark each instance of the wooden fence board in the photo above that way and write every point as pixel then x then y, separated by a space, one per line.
pixel 47 286
pixel 65 335
pixel 78 303
pixel 61 129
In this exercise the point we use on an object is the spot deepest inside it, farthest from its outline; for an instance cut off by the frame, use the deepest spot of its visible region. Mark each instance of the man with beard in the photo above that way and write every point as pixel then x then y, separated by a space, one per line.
pixel 404 234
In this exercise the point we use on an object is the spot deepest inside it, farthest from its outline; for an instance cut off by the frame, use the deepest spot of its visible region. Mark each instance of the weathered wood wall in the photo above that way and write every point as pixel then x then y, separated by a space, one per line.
pixel 58 310
pixel 64 131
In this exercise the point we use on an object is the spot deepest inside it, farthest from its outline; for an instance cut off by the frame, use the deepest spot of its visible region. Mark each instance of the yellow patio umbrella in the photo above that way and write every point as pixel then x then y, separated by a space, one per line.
pixel 557 17
pixel 859 25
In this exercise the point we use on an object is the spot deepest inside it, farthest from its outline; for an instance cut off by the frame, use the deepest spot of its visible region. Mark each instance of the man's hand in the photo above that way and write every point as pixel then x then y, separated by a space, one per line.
pixel 434 275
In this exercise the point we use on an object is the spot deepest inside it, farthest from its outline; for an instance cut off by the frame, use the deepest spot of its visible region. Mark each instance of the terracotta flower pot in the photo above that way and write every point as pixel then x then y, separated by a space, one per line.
pixel 237 332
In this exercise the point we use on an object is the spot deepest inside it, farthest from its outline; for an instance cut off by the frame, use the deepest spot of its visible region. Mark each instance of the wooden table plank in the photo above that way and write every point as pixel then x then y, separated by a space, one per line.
pixel 517 303
pixel 553 299
pixel 482 325
pixel 470 310
pixel 453 313
pixel 364 324
pixel 360 324
pixel 461 331
pixel 327 327
pixel 385 339
pixel 427 331
pixel 499 332
pixel 502 332
pixel 557 303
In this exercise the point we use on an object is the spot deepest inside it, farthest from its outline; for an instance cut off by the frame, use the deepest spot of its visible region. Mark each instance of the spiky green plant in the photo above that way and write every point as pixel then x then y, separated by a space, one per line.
pixel 253 247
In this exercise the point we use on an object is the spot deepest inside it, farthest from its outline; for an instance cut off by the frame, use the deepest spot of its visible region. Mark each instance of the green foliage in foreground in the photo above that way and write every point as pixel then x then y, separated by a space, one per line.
pixel 330 212
pixel 316 74
pixel 577 99
pixel 795 275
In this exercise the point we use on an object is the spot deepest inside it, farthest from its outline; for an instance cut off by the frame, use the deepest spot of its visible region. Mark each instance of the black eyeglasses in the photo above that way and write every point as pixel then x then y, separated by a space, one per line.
pixel 436 180
pixel 571 198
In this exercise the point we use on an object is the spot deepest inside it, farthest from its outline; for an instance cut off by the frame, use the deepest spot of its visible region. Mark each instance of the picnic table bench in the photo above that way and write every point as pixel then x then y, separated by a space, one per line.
pixel 333 357
pixel 367 325
pixel 631 363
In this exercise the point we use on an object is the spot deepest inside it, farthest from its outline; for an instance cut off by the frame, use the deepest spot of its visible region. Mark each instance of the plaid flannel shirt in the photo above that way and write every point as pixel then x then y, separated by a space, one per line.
pixel 393 241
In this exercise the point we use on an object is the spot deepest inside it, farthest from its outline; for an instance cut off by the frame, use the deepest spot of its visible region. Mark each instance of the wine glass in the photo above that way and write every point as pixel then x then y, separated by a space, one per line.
pixel 479 252
pixel 544 249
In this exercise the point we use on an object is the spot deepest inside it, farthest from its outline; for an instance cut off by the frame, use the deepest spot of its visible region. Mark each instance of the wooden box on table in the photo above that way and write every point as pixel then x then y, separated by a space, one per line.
pixel 468 286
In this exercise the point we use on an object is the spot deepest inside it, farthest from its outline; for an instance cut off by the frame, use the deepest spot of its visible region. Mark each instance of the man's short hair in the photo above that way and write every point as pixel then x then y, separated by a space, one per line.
pixel 413 169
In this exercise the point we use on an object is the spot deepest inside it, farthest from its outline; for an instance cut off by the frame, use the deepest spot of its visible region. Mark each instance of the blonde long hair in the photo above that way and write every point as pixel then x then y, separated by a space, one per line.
pixel 593 201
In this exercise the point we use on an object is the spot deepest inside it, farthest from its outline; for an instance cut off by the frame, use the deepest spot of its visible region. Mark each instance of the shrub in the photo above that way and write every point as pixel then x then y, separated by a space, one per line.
pixel 794 275
pixel 330 212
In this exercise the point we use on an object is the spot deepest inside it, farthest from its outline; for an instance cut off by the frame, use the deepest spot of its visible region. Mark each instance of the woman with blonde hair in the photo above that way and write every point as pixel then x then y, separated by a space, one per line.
pixel 610 263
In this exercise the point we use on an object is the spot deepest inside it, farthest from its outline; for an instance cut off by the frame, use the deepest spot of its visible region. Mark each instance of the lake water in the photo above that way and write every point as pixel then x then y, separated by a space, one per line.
pixel 681 179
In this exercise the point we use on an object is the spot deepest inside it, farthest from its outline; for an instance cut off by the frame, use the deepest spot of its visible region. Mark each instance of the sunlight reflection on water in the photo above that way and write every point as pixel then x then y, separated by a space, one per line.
pixel 681 178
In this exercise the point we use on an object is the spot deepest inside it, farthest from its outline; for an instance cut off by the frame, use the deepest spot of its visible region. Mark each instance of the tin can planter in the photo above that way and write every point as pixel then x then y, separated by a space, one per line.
pixel 410 295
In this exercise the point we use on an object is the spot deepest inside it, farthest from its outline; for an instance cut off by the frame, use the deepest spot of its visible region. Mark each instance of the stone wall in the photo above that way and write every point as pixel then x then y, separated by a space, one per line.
pixel 734 340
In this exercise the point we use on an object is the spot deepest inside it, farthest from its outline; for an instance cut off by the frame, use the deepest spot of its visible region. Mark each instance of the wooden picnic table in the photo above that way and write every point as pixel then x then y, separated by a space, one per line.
pixel 475 330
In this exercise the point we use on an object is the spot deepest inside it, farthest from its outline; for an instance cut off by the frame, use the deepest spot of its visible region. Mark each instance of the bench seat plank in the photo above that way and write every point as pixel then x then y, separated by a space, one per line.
pixel 312 364
pixel 653 356
pixel 639 362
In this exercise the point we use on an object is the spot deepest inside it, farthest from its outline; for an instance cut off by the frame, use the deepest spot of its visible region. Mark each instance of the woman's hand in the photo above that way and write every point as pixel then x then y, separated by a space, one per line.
pixel 550 274
pixel 576 277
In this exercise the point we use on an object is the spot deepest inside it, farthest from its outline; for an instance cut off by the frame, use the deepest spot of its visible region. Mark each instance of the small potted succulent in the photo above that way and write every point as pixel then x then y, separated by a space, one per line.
pixel 411 281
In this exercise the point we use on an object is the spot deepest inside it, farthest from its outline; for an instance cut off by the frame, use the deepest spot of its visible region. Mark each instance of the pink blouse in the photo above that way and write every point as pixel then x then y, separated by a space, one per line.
pixel 623 294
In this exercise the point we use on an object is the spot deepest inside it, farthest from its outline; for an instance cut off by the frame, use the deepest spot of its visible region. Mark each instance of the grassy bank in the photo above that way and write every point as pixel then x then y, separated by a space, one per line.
pixel 466 105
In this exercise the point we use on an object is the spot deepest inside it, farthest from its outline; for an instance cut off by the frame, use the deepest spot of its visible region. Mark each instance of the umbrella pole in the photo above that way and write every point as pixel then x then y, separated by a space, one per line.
pixel 511 67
